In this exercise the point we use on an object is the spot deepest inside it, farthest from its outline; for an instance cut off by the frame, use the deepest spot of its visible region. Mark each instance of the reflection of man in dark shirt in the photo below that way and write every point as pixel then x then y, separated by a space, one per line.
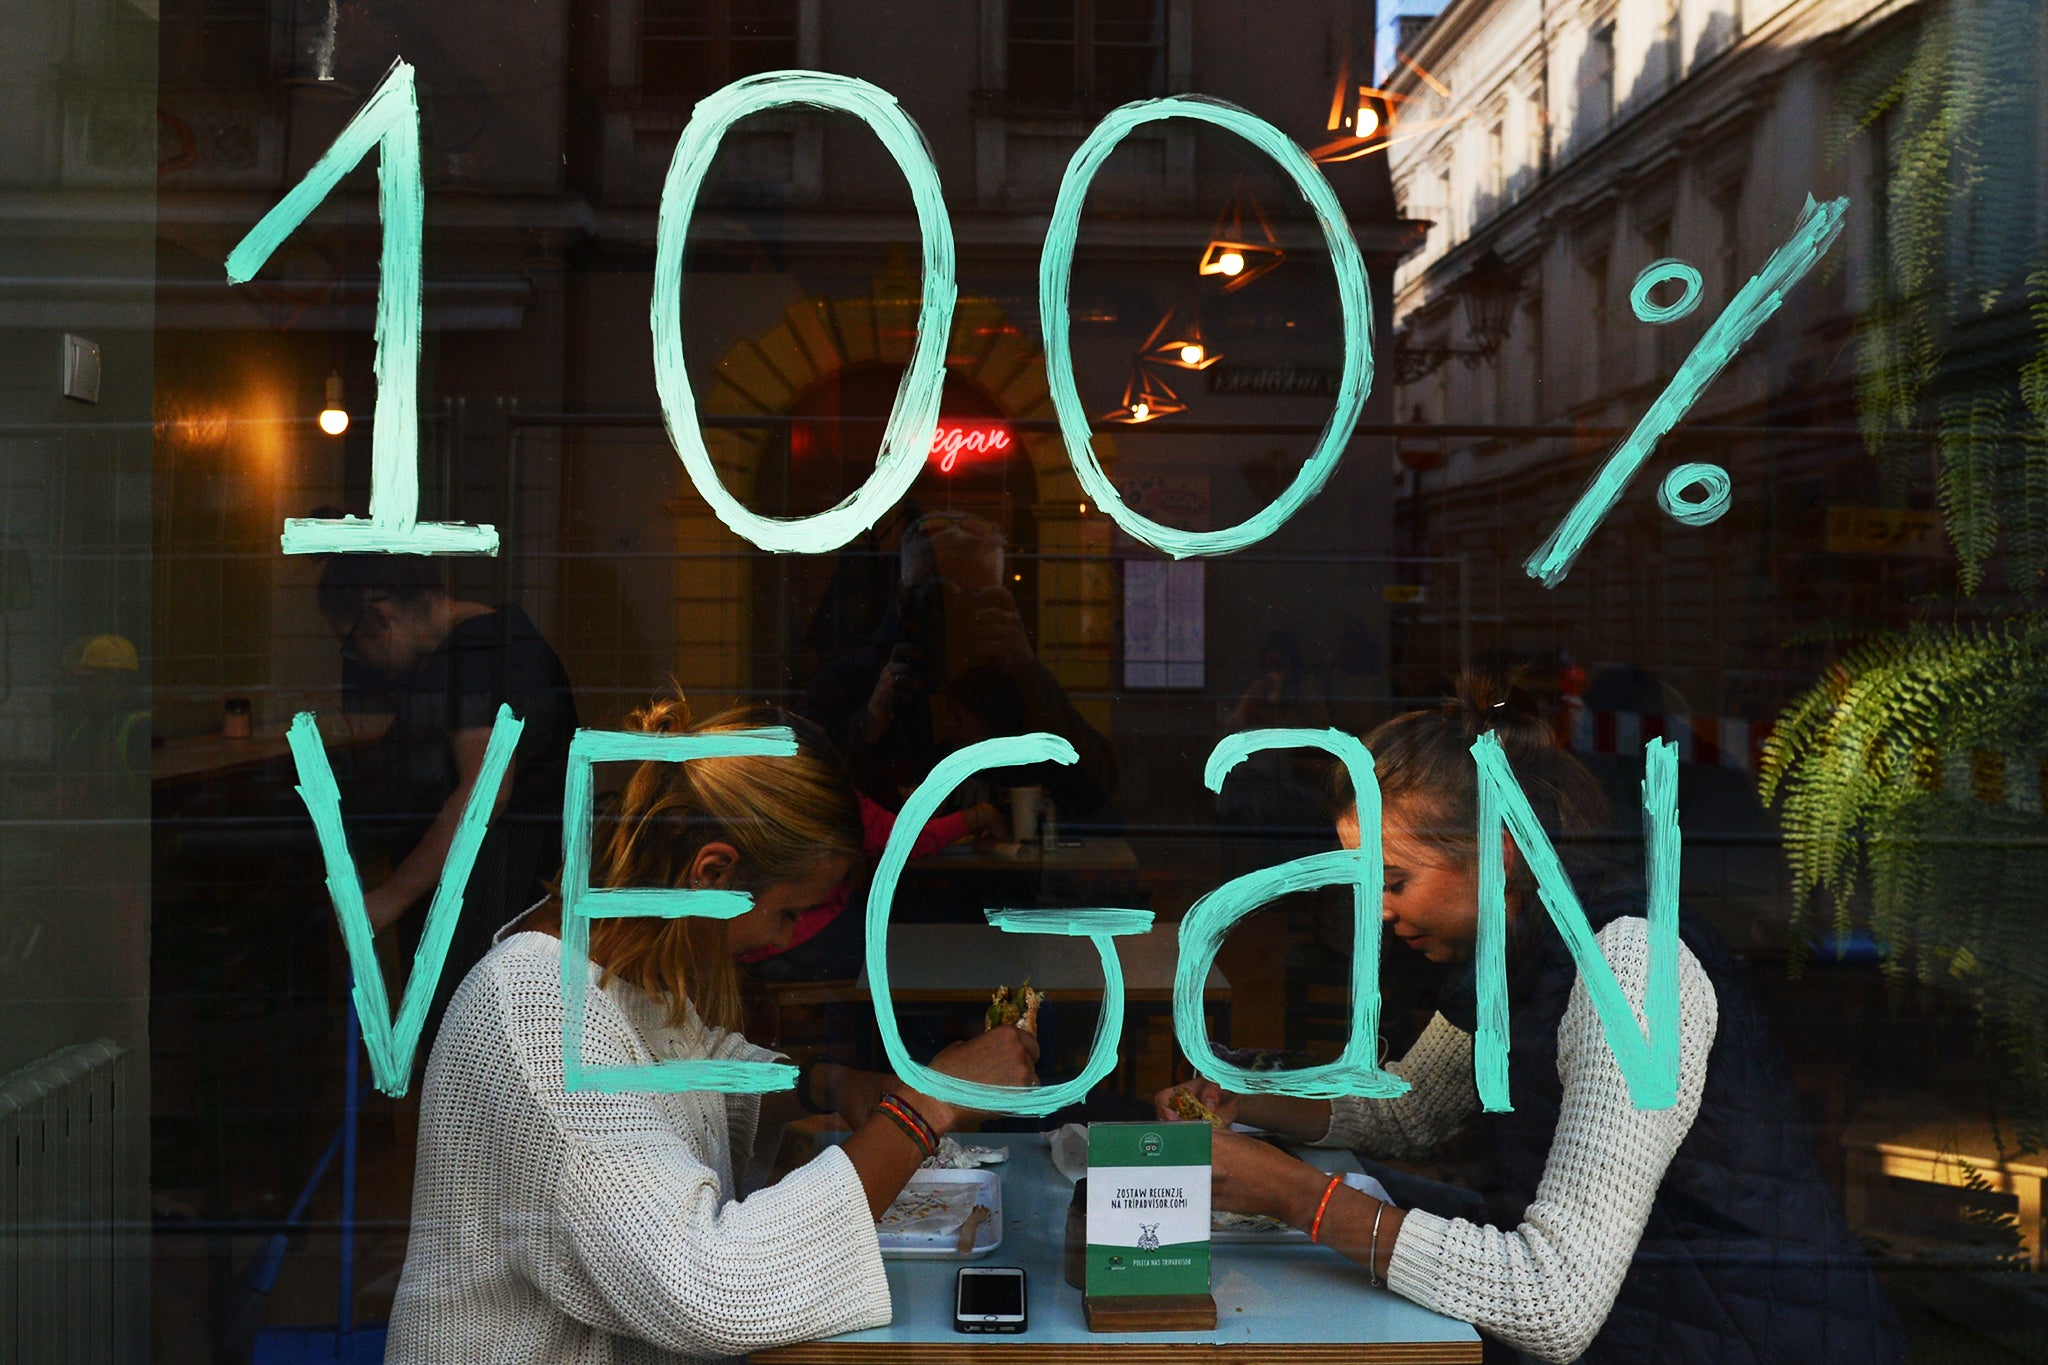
pixel 449 665
pixel 953 644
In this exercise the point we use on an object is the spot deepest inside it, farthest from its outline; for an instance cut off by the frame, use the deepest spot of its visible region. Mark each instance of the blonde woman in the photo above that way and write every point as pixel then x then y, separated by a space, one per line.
pixel 592 1227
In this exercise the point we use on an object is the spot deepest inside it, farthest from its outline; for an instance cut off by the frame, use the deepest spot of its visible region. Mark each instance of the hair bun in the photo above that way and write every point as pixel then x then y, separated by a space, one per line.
pixel 668 715
pixel 1484 701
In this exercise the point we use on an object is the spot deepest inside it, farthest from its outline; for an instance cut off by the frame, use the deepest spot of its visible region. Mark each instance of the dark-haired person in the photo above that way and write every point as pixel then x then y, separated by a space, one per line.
pixel 587 1226
pixel 1703 1232
pixel 449 664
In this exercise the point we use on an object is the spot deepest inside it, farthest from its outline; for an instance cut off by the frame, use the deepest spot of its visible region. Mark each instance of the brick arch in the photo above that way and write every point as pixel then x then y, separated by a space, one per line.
pixel 816 338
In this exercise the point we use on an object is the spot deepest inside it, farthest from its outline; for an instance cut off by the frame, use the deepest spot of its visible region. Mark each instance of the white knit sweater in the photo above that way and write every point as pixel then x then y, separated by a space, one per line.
pixel 584 1228
pixel 1547 1285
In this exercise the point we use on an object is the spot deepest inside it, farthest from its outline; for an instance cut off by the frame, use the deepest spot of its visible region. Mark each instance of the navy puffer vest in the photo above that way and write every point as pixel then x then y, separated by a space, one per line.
pixel 1745 1256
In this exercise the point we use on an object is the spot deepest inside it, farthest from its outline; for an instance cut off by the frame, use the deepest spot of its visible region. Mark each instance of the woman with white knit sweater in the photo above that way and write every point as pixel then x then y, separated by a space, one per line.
pixel 588 1226
pixel 1702 1232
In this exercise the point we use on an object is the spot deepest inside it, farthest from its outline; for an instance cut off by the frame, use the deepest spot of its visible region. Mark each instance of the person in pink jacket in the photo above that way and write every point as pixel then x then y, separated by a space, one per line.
pixel 877 822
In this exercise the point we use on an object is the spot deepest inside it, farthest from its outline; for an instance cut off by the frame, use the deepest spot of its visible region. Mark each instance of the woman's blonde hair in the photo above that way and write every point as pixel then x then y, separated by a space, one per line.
pixel 784 817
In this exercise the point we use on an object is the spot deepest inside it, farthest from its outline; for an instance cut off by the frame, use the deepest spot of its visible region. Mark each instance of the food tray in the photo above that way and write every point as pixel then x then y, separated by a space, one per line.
pixel 955 1193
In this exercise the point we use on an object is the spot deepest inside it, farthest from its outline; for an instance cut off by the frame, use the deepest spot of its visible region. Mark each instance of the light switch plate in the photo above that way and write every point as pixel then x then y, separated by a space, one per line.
pixel 81 369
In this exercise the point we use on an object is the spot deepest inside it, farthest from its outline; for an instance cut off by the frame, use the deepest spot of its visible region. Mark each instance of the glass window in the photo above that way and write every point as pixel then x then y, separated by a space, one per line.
pixel 1102 52
pixel 688 48
pixel 657 780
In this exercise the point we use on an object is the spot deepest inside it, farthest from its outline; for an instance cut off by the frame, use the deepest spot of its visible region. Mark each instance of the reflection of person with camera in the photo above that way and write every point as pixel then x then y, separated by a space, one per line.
pixel 952 618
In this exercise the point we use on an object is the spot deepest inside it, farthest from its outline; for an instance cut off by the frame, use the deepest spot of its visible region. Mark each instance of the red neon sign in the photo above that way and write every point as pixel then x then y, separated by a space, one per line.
pixel 971 440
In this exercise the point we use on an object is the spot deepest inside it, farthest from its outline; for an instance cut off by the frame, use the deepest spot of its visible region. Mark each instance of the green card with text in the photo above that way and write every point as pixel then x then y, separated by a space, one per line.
pixel 1148 1208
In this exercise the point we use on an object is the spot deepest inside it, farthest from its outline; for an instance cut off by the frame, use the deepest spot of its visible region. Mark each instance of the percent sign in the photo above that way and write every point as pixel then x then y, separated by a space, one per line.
pixel 1816 231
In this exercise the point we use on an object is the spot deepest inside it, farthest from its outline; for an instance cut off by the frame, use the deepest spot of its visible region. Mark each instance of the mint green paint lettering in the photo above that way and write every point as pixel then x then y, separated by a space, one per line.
pixel 1815 232
pixel 907 439
pixel 1701 511
pixel 1664 272
pixel 1072 923
pixel 390 1045
pixel 1100 927
pixel 1055 277
pixel 582 903
pixel 1649 1064
pixel 390 122
pixel 1356 1071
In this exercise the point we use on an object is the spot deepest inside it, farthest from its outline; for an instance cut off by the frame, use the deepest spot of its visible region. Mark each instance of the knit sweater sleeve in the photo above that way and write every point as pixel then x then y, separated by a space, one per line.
pixel 1546 1286
pixel 1441 1097
pixel 640 1239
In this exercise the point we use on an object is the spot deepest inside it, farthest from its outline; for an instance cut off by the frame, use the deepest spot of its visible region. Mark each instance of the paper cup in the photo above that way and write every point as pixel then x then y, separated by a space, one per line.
pixel 1025 805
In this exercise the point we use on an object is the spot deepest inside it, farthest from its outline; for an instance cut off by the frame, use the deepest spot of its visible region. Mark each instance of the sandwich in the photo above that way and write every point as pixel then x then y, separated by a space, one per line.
pixel 1019 1008
pixel 1186 1106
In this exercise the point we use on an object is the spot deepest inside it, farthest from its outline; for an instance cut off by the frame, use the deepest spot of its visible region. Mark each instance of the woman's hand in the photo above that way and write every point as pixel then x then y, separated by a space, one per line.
pixel 1001 1056
pixel 853 1094
pixel 1220 1103
pixel 1249 1176
pixel 986 825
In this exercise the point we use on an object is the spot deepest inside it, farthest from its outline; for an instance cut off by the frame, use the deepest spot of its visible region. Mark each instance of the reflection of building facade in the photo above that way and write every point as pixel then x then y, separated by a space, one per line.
pixel 800 296
pixel 1581 143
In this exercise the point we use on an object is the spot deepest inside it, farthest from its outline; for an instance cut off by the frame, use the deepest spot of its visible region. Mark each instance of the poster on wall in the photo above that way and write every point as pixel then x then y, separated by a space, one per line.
pixel 1164 631
pixel 1165 625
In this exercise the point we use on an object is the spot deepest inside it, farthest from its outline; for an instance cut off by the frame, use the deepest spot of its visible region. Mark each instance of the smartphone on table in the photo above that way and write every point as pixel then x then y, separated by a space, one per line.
pixel 989 1298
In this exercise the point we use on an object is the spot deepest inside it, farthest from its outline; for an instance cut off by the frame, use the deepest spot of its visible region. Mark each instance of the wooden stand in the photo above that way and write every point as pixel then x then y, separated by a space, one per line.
pixel 1151 1313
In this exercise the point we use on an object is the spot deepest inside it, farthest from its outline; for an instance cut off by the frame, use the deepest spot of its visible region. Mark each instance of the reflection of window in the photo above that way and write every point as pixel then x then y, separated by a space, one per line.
pixel 1532 346
pixel 1728 250
pixel 1086 51
pixel 689 48
pixel 1599 365
pixel 1669 338
pixel 1596 85
pixel 1674 43
pixel 214 42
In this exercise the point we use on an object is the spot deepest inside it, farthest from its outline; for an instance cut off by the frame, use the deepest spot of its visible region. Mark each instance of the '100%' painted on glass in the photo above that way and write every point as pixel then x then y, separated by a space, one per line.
pixel 389 121
pixel 1648 1057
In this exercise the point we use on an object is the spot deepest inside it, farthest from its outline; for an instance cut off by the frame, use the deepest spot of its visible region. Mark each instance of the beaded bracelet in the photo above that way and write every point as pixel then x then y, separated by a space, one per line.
pixel 1315 1229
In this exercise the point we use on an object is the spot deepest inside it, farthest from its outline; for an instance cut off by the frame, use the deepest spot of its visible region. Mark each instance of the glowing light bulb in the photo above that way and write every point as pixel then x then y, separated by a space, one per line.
pixel 1191 354
pixel 1231 263
pixel 334 417
pixel 1140 410
pixel 1368 121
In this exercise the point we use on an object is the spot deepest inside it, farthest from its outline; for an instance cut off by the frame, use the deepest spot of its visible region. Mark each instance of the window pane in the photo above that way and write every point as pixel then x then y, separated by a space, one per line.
pixel 677 52
pixel 1043 57
pixel 763 37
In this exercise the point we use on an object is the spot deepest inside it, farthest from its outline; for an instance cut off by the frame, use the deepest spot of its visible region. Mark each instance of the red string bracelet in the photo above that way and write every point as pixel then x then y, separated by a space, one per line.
pixel 1315 1229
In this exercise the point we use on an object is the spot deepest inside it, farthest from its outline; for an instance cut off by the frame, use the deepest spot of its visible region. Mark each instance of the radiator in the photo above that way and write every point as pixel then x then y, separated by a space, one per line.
pixel 60 1149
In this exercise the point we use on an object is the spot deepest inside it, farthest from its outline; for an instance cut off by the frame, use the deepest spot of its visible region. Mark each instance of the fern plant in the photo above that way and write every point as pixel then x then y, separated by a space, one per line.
pixel 1891 780
pixel 1948 104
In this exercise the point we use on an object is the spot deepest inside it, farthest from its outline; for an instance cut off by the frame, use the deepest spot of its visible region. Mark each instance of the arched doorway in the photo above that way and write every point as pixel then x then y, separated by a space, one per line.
pixel 809 609
pixel 1072 600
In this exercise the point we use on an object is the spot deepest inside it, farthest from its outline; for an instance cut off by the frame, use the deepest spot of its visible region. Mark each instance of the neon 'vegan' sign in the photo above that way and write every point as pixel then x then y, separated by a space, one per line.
pixel 970 440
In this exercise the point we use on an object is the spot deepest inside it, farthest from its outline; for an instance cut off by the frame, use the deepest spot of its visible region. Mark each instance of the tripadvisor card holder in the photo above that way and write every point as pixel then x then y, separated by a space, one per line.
pixel 1148 1228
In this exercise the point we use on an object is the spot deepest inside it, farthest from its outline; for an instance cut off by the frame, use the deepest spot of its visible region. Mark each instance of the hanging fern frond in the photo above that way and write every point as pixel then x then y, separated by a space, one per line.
pixel 1958 887
pixel 1947 102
